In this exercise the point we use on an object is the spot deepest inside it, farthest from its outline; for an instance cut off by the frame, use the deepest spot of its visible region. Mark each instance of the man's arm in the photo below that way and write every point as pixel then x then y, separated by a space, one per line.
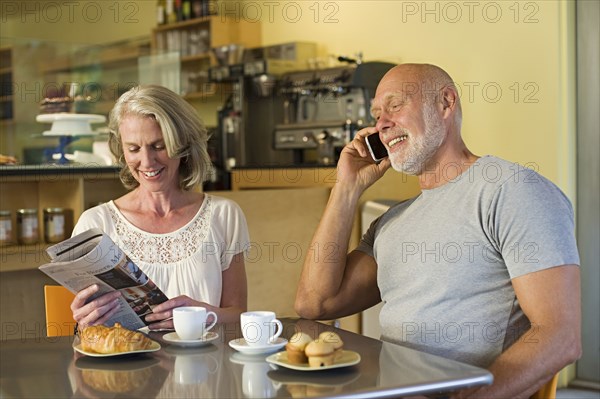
pixel 551 300
pixel 334 283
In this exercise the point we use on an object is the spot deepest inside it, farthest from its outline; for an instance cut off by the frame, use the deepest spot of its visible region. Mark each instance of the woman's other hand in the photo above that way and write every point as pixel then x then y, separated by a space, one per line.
pixel 162 315
pixel 98 310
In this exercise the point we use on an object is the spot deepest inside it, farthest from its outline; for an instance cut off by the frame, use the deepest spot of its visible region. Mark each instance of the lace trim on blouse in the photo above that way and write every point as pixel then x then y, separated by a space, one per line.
pixel 163 248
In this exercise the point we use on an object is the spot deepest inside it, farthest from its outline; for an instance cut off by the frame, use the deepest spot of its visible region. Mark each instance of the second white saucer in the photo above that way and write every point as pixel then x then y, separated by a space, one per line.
pixel 241 345
pixel 174 339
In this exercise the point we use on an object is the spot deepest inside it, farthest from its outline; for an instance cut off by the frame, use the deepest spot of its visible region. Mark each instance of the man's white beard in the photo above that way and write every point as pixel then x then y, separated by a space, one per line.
pixel 420 149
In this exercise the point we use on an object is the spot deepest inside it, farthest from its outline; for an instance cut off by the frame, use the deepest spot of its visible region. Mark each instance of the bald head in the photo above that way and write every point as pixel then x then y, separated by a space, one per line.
pixel 422 79
pixel 424 72
pixel 423 82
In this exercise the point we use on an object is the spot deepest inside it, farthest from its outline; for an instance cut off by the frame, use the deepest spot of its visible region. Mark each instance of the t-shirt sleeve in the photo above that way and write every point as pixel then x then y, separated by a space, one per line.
pixel 237 238
pixel 531 223
pixel 368 239
pixel 89 219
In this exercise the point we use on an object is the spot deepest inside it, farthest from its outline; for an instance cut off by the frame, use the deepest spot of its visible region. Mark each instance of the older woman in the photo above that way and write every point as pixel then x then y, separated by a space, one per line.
pixel 189 243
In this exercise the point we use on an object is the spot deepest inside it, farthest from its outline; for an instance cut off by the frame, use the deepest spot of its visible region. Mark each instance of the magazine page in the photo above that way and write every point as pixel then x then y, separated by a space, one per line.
pixel 75 247
pixel 93 258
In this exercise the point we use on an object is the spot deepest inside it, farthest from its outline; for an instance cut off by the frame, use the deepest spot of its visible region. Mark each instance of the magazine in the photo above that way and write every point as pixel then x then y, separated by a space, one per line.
pixel 92 257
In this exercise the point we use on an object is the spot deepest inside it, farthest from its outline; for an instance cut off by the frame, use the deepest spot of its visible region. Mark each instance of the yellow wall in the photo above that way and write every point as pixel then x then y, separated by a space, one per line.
pixel 513 60
pixel 81 21
pixel 484 45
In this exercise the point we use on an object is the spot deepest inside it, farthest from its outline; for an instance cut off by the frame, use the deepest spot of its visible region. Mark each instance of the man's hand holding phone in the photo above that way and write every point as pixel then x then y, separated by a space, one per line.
pixel 376 147
pixel 356 165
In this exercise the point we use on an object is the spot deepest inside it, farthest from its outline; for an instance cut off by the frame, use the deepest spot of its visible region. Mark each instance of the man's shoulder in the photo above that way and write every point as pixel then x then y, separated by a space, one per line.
pixel 497 172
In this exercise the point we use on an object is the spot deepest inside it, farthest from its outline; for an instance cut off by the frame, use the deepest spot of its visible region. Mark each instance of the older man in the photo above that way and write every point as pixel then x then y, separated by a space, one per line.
pixel 481 267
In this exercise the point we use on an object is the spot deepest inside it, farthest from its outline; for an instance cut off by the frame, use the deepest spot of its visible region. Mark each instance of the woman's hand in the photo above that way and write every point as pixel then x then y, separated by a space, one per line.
pixel 97 311
pixel 233 299
pixel 162 315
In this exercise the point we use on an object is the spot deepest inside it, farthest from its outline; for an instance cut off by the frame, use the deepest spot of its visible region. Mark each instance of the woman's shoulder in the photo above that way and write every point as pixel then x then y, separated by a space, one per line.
pixel 222 203
pixel 223 208
pixel 99 211
pixel 97 216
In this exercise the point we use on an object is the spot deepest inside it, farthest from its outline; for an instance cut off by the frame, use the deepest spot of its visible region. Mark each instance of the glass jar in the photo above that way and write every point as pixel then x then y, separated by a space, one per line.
pixel 5 228
pixel 27 226
pixel 54 224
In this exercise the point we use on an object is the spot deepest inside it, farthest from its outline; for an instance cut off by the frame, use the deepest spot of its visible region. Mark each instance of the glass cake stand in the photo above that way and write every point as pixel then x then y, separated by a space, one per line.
pixel 68 128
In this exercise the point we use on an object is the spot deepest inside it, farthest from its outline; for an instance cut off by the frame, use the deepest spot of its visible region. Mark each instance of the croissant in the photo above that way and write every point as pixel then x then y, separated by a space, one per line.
pixel 102 339
pixel 116 381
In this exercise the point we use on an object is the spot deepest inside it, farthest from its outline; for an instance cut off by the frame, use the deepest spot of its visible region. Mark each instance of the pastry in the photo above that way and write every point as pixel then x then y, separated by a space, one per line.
pixel 55 105
pixel 295 348
pixel 320 354
pixel 116 381
pixel 117 339
pixel 335 340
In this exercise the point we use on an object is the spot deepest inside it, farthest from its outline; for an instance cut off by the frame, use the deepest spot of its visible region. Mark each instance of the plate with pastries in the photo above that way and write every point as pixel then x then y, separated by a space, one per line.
pixel 102 341
pixel 305 354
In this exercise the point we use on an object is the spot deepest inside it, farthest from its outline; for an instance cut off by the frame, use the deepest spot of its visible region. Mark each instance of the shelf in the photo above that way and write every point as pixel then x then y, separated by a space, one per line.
pixel 5 60
pixel 7 98
pixel 193 39
pixel 196 57
pixel 15 254
pixel 108 58
pixel 183 24
pixel 199 95
pixel 216 90
pixel 47 186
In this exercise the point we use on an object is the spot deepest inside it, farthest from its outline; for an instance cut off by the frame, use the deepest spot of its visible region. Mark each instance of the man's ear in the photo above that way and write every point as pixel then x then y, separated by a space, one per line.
pixel 449 99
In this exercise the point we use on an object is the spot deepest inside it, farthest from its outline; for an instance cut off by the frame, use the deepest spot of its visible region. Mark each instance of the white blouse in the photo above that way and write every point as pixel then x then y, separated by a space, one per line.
pixel 188 261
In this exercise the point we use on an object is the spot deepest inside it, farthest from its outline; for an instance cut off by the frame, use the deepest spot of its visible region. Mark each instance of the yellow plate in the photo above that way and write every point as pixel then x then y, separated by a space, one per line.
pixel 153 348
pixel 347 358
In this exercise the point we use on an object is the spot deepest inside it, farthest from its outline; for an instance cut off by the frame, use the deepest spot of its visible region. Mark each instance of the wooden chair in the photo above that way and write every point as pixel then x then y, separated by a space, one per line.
pixel 548 391
pixel 59 318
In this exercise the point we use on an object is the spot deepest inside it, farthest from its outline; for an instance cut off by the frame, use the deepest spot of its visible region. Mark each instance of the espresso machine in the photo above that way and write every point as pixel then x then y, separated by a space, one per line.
pixel 324 108
pixel 253 108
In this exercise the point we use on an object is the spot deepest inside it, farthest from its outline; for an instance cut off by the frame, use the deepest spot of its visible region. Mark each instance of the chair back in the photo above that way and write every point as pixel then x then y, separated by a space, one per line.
pixel 59 318
pixel 548 390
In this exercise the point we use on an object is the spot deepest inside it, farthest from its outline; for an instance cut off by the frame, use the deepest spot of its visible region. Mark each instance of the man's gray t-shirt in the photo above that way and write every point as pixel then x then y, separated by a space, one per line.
pixel 446 259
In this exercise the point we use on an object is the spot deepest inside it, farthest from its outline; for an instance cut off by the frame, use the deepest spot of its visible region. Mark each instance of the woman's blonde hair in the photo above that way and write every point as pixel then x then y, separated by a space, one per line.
pixel 184 133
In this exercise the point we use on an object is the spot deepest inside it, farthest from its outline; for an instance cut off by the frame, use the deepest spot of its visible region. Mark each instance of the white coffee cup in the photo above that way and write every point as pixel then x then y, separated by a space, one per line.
pixel 260 328
pixel 255 381
pixel 194 368
pixel 190 322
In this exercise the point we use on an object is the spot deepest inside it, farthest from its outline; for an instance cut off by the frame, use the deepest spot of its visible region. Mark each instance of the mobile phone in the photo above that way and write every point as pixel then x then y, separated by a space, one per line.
pixel 376 147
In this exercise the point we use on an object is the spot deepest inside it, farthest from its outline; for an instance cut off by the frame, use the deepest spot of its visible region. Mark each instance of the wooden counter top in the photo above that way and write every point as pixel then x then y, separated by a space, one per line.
pixel 41 170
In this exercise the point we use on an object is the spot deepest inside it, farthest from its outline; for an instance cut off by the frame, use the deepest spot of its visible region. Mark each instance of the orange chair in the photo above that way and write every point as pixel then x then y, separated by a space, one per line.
pixel 59 318
pixel 547 391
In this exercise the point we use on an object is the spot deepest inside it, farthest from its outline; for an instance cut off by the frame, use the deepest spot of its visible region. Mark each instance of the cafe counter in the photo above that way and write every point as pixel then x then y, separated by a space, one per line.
pixel 50 368
pixel 282 207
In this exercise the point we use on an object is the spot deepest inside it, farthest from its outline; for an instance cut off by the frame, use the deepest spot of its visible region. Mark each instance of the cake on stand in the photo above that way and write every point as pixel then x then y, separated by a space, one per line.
pixel 68 128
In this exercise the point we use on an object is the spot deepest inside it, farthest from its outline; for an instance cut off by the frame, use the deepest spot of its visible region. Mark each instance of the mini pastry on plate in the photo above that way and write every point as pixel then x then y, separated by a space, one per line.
pixel 110 340
pixel 320 354
pixel 296 346
pixel 334 339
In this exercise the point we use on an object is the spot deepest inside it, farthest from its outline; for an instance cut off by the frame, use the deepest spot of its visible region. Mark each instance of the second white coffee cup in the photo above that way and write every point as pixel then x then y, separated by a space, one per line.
pixel 190 322
pixel 260 328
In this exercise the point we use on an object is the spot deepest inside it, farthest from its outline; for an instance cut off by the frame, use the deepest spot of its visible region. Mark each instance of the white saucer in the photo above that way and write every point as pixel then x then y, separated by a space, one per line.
pixel 174 339
pixel 244 359
pixel 241 345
